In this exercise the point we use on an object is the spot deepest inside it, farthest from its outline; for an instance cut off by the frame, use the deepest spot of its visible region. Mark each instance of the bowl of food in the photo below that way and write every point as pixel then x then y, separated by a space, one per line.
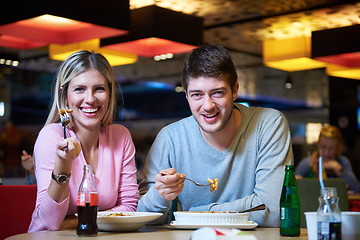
pixel 124 221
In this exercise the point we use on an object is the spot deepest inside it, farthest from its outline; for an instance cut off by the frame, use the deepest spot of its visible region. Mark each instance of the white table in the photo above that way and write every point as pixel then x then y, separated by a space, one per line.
pixel 146 233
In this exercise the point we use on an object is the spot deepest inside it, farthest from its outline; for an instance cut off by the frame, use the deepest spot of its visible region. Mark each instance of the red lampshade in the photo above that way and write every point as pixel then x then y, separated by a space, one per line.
pixel 344 59
pixel 155 30
pixel 19 43
pixel 27 24
pixel 338 46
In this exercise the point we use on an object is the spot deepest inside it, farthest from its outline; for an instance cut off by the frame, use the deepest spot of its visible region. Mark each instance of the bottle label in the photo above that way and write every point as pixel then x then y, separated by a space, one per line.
pixel 93 199
pixel 290 221
pixel 329 230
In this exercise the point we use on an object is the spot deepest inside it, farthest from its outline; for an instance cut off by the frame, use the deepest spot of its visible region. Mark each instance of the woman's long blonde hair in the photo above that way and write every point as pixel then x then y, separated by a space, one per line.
pixel 332 132
pixel 74 65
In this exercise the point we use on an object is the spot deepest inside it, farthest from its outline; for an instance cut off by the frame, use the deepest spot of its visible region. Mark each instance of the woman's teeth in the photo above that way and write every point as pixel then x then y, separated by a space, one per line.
pixel 89 110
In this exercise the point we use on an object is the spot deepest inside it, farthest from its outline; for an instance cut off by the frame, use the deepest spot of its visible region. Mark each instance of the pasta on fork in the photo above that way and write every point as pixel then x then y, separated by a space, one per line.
pixel 213 184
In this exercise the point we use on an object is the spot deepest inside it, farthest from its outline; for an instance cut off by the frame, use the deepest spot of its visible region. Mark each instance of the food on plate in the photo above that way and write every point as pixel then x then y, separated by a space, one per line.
pixel 213 184
pixel 218 212
pixel 117 215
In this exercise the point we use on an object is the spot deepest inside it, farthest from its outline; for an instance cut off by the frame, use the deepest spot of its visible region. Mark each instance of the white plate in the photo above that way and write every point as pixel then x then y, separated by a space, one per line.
pixel 248 225
pixel 131 222
pixel 213 218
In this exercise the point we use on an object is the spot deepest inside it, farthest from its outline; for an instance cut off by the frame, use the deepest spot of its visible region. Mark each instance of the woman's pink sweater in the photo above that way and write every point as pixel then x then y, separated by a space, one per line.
pixel 115 175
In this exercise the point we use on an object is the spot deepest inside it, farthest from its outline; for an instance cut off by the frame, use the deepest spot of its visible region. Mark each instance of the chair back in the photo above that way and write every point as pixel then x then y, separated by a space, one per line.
pixel 17 203
pixel 309 193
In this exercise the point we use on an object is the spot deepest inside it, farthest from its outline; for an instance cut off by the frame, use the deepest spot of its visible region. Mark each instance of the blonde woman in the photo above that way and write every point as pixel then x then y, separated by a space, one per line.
pixel 335 165
pixel 86 85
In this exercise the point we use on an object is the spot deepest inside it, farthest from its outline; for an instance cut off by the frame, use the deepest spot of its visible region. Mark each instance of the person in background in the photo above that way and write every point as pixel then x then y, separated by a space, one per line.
pixel 335 165
pixel 85 84
pixel 27 162
pixel 246 148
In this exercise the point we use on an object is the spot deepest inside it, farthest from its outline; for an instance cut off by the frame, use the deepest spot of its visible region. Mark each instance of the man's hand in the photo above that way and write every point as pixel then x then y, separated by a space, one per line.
pixel 169 183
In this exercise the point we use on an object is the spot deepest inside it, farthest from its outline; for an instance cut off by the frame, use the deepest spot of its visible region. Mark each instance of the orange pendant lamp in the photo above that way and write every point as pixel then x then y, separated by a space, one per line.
pixel 29 24
pixel 155 30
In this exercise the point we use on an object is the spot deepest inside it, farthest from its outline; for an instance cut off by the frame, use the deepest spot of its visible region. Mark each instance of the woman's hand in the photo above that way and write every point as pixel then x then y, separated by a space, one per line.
pixel 169 183
pixel 27 162
pixel 68 149
pixel 334 167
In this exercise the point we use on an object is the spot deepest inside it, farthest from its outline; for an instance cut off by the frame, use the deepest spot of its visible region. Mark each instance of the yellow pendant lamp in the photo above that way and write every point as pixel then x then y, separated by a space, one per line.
pixel 62 51
pixel 293 54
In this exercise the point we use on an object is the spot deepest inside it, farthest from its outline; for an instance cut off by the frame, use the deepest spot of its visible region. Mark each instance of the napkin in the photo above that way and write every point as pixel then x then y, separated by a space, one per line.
pixel 207 233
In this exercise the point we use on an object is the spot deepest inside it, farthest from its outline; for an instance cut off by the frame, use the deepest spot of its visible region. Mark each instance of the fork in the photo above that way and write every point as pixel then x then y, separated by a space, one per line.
pixel 196 183
pixel 65 119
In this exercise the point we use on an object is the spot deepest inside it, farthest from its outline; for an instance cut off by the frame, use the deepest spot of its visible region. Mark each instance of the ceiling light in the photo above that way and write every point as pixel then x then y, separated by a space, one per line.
pixel 9 60
pixel 338 46
pixel 155 31
pixel 2 109
pixel 288 82
pixel 343 72
pixel 62 51
pixel 38 23
pixel 290 55
pixel 163 57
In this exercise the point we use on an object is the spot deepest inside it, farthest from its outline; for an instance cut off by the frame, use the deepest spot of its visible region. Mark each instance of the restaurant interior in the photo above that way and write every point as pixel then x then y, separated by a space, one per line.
pixel 255 33
pixel 260 36
pixel 300 57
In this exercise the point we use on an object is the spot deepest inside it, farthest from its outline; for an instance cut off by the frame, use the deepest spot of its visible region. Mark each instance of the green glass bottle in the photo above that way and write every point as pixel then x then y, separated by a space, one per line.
pixel 289 205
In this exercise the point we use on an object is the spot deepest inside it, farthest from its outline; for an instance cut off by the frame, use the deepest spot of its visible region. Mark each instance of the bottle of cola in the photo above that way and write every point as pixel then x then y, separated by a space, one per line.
pixel 87 205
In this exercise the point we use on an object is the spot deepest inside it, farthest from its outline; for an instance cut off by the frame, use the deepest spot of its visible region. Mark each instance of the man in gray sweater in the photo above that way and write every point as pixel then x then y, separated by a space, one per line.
pixel 246 148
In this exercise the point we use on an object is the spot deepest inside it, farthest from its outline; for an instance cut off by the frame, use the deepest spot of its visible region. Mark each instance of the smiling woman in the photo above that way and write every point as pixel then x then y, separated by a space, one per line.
pixel 85 84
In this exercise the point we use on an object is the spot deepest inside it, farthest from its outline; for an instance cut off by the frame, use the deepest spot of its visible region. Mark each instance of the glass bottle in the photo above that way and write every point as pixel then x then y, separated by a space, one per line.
pixel 289 205
pixel 87 205
pixel 329 215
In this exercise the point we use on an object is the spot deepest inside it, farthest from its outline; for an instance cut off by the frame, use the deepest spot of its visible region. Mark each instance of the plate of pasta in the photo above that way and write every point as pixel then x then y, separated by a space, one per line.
pixel 124 221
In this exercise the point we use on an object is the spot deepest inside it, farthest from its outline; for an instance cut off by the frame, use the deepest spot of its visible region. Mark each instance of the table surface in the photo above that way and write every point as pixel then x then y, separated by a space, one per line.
pixel 156 232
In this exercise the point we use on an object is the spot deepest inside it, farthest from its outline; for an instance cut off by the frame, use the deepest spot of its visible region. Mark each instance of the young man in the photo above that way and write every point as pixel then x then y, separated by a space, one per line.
pixel 246 148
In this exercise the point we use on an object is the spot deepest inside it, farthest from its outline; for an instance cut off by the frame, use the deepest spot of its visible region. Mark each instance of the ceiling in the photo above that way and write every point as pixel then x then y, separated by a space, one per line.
pixel 241 25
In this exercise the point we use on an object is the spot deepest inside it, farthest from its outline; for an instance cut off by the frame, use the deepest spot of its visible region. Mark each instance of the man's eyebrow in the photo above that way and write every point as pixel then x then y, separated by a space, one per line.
pixel 195 90
pixel 219 88
pixel 211 90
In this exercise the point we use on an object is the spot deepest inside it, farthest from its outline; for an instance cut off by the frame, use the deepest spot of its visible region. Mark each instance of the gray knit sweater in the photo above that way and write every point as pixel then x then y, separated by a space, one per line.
pixel 250 171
